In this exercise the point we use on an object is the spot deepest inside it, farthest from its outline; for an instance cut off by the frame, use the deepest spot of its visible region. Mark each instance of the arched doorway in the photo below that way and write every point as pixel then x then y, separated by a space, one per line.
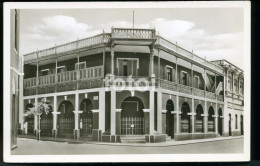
pixel 241 125
pixel 229 125
pixel 66 120
pixel 132 116
pixel 185 119
pixel 46 122
pixel 86 119
pixel 220 121
pixel 170 118
pixel 211 122
pixel 199 119
pixel 29 120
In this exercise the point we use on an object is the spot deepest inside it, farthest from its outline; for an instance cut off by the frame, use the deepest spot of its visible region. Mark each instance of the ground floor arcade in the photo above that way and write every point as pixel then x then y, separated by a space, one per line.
pixel 106 115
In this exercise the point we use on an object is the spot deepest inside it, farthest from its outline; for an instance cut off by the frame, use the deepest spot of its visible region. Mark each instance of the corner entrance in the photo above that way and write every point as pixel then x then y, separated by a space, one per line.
pixel 170 119
pixel 132 116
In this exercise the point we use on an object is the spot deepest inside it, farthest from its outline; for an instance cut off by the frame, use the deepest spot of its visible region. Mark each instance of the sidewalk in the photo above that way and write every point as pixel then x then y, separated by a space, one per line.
pixel 161 144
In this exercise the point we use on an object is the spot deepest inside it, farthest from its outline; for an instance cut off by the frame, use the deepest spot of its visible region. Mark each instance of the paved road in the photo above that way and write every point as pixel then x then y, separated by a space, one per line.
pixel 33 147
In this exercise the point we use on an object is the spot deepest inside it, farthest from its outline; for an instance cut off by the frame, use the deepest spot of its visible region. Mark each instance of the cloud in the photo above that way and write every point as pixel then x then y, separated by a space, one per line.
pixel 62 29
pixel 53 30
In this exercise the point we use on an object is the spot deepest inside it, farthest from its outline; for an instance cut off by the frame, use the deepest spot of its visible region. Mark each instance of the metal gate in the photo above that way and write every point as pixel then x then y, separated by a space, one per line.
pixel 65 127
pixel 30 126
pixel 87 126
pixel 132 125
pixel 46 127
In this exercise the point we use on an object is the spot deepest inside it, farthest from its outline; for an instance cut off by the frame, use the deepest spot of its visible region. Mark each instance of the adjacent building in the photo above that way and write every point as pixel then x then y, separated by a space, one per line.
pixel 16 77
pixel 130 85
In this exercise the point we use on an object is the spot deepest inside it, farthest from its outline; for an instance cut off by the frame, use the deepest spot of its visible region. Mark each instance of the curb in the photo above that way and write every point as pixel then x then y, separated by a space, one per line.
pixel 163 144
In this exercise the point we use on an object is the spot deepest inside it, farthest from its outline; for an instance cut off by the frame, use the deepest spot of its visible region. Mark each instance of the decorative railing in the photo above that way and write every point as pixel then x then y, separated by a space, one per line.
pixel 66 81
pixel 174 47
pixel 91 72
pixel 165 84
pixel 67 76
pixel 30 82
pixel 94 40
pixel 47 79
pixel 220 98
pixel 198 92
pixel 210 95
pixel 133 33
pixel 120 81
pixel 184 89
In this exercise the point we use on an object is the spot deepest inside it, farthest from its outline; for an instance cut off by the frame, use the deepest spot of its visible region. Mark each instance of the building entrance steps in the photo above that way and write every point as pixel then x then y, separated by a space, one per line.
pixel 132 139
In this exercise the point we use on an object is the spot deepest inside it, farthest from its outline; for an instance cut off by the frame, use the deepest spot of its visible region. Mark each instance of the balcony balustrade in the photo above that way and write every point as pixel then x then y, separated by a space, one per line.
pixel 66 81
pixel 165 84
pixel 133 33
pixel 91 41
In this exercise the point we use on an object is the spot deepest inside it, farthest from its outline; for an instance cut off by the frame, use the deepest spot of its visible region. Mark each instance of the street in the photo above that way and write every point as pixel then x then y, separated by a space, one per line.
pixel 33 147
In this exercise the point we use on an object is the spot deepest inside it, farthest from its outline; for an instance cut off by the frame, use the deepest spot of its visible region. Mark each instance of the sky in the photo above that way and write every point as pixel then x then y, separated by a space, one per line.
pixel 212 33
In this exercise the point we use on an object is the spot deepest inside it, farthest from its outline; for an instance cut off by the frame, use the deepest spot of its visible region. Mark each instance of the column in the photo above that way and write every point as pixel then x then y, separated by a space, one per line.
pixel 77 112
pixel 216 120
pixel 113 114
pixel 35 117
pixel 215 84
pixel 177 118
pixel 101 103
pixel 192 78
pixel 205 118
pixel 55 117
pixel 159 65
pixel 176 71
pixel 151 100
pixel 118 121
pixel 112 59
pixel 192 114
pixel 96 133
pixel 21 104
pixel 159 112
pixel 163 121
pixel 151 61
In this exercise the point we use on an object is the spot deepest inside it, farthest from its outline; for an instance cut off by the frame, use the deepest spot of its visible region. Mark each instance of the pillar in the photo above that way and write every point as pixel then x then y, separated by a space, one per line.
pixel 176 71
pixel 77 112
pixel 118 121
pixel 163 121
pixel 96 133
pixel 216 119
pixel 112 59
pixel 35 117
pixel 205 118
pixel 147 121
pixel 101 103
pixel 178 118
pixel 151 119
pixel 151 60
pixel 159 112
pixel 55 117
pixel 113 109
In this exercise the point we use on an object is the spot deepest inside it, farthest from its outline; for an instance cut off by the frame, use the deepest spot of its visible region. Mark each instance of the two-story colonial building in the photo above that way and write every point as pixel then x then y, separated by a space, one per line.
pixel 127 85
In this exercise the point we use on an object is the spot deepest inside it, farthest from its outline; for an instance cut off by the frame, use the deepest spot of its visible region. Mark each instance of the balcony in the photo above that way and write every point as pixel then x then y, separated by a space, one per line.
pixel 164 84
pixel 66 81
pixel 185 53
